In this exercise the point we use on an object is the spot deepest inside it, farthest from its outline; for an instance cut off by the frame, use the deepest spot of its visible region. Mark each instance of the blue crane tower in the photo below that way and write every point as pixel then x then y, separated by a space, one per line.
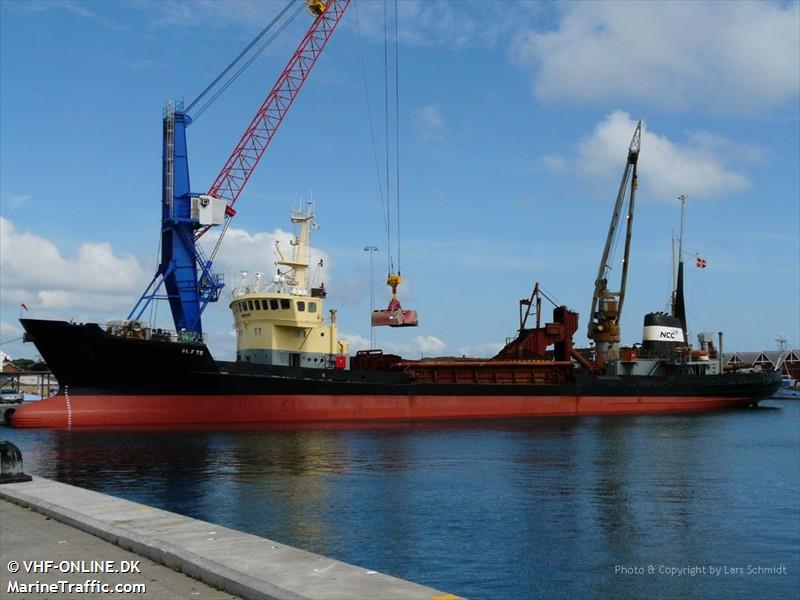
pixel 184 272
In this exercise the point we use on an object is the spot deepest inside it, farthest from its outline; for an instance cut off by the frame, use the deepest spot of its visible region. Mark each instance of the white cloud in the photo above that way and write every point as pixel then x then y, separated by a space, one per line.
pixel 428 123
pixel 731 57
pixel 666 168
pixel 357 342
pixel 33 270
pixel 7 330
pixel 421 345
pixel 96 284
pixel 429 343
pixel 348 290
pixel 18 200
pixel 255 252
pixel 222 341
pixel 554 162
pixel 245 251
pixel 421 22
pixel 85 300
pixel 483 350
pixel 442 22
pixel 214 13
pixel 76 8
pixel 729 149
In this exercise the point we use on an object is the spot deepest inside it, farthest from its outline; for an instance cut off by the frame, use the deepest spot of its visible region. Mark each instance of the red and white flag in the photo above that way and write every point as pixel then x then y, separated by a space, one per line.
pixel 701 263
pixel 25 306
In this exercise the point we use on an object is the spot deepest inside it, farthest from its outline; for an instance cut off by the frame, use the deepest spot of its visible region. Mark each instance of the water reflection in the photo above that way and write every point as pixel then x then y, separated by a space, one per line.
pixel 520 509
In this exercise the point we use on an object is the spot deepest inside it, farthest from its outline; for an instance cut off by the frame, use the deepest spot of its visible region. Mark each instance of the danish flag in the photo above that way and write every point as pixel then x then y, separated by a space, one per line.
pixel 701 263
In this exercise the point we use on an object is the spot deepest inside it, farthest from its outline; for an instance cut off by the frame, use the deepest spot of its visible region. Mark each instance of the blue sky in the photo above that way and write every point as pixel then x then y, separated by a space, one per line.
pixel 514 125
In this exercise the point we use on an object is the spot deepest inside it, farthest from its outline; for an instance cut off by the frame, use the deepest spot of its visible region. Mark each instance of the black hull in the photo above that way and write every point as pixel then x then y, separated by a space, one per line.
pixel 96 370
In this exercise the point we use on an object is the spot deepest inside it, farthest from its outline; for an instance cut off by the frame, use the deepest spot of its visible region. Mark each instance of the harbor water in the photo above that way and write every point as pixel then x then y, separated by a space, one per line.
pixel 594 507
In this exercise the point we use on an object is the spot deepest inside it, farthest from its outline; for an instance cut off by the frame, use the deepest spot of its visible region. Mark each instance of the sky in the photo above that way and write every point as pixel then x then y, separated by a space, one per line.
pixel 513 125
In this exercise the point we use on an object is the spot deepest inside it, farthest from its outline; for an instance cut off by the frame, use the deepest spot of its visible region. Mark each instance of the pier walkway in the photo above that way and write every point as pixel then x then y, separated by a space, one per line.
pixel 26 535
pixel 229 561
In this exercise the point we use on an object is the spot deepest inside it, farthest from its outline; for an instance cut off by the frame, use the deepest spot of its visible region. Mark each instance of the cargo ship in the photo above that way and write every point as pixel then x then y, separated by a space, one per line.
pixel 292 368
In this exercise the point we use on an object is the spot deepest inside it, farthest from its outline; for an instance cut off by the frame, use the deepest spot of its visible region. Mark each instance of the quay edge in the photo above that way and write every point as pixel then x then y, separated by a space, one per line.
pixel 241 564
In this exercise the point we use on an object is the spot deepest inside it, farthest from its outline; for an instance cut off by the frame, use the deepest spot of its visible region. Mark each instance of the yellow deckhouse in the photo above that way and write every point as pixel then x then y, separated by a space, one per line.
pixel 282 322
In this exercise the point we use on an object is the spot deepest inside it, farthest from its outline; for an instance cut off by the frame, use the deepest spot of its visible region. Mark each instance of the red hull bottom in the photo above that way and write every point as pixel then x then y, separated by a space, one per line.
pixel 125 411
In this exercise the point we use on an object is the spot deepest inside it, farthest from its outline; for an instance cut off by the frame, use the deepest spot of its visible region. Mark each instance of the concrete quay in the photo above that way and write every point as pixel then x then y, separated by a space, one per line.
pixel 26 535
pixel 231 562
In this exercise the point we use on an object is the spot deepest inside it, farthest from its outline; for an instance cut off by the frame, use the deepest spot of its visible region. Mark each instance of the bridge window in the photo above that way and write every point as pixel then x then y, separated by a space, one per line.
pixel 273 304
pixel 301 306
pixel 312 307
pixel 264 305
pixel 250 305
pixel 285 304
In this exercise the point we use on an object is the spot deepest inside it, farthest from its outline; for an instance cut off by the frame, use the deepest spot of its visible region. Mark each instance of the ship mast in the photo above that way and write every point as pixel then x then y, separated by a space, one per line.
pixel 298 263
pixel 678 303
pixel 682 198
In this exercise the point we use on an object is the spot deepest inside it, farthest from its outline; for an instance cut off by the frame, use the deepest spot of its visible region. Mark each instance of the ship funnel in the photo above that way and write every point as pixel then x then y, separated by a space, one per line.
pixel 663 333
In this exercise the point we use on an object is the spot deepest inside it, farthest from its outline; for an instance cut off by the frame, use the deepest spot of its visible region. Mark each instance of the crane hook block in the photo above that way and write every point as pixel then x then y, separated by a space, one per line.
pixel 394 315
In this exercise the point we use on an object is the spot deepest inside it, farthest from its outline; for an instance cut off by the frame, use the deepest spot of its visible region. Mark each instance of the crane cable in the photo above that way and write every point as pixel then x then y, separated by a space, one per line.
pixel 227 84
pixel 390 266
pixel 397 126
pixel 370 119
pixel 247 48
pixel 386 207
pixel 396 131
pixel 612 257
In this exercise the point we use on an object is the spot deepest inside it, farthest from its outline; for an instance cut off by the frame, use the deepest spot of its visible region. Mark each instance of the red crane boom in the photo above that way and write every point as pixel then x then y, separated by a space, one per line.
pixel 254 141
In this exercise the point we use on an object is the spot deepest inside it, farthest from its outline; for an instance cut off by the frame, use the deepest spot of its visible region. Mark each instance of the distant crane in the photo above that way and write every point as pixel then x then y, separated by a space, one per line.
pixel 607 305
pixel 184 271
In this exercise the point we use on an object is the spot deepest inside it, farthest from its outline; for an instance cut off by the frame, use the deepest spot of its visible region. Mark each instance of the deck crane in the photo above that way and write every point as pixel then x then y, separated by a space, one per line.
pixel 607 305
pixel 184 270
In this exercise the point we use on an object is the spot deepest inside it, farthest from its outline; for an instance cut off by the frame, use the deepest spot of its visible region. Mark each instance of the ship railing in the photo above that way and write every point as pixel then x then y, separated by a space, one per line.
pixel 142 331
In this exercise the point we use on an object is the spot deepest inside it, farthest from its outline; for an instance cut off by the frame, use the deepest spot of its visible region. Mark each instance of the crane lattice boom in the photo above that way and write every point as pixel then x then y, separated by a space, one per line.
pixel 184 271
pixel 254 141
pixel 604 316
